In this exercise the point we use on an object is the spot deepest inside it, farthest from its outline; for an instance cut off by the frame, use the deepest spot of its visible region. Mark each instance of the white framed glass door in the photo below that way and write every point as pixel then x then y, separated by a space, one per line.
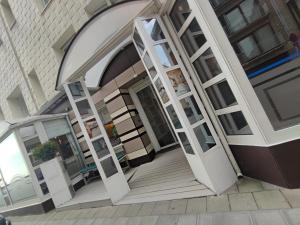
pixel 97 140
pixel 182 105
pixel 152 115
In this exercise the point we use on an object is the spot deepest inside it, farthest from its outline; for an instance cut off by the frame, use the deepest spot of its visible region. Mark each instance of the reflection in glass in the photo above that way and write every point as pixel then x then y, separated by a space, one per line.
pixel 4 199
pixel 149 65
pixel 251 10
pixel 138 41
pixel 44 188
pixel 186 144
pixel 220 95
pixel 14 170
pixel 109 167
pixel 179 13
pixel 265 38
pixel 100 147
pixel 204 137
pixel 84 109
pixel 31 144
pixel 92 128
pixel 248 49
pixel 191 109
pixel 153 29
pixel 27 132
pixel 235 20
pixel 165 55
pixel 178 82
pixel 193 38
pixel 235 124
pixel 161 90
pixel 207 66
pixel 174 117
pixel 76 90
pixel 39 174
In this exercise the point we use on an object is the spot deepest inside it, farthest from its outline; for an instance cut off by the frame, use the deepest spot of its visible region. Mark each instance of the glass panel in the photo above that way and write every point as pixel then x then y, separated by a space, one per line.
pixel 39 174
pixel 34 161
pixel 76 90
pixel 4 200
pixel 191 109
pixel 220 95
pixel 109 167
pixel 174 117
pixel 153 29
pixel 235 124
pixel 207 66
pixel 44 188
pixel 31 144
pixel 84 109
pixel 216 3
pixel 186 144
pixel 108 124
pixel 165 55
pixel 149 65
pixel 193 38
pixel 161 90
pixel 14 170
pixel 248 49
pixel 100 147
pixel 178 82
pixel 155 116
pixel 138 41
pixel 180 13
pixel 265 38
pixel 92 128
pixel 234 20
pixel 251 10
pixel 204 137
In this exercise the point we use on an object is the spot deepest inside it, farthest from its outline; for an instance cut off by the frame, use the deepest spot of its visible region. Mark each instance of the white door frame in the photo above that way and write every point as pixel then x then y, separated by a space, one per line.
pixel 133 90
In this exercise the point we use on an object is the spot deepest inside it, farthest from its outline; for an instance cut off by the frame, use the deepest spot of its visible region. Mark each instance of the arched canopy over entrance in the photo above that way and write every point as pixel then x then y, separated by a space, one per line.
pixel 97 38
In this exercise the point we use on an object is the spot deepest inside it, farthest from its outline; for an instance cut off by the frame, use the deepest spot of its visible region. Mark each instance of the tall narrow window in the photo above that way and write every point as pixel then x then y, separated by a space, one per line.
pixel 37 87
pixel 17 104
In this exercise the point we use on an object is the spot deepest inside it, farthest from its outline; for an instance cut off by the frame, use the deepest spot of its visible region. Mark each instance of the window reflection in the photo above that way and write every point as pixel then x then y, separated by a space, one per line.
pixel 138 41
pixel 84 109
pixel 235 124
pixel 149 65
pixel 179 13
pixel 178 82
pixel 174 117
pixel 161 90
pixel 76 90
pixel 204 137
pixel 92 128
pixel 100 148
pixel 165 55
pixel 186 144
pixel 191 109
pixel 153 29
pixel 14 170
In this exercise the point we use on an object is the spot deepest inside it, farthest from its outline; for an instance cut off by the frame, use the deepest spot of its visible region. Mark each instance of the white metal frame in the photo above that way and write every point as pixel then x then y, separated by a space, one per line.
pixel 211 167
pixel 133 93
pixel 116 185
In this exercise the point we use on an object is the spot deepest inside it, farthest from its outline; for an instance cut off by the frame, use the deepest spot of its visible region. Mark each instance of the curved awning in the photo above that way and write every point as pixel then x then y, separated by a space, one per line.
pixel 96 37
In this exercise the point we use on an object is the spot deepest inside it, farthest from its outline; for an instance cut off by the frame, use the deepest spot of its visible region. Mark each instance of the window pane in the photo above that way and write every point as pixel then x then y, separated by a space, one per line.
pixel 109 167
pixel 220 95
pixel 153 29
pixel 161 90
pixel 174 117
pixel 207 66
pixel 39 174
pixel 138 41
pixel 149 65
pixel 178 82
pixel 92 128
pixel 248 49
pixel 100 147
pixel 31 144
pixel 234 21
pixel 44 188
pixel 186 144
pixel 193 38
pixel 76 90
pixel 165 55
pixel 251 10
pixel 235 124
pixel 179 13
pixel 27 132
pixel 191 109
pixel 266 38
pixel 14 170
pixel 84 109
pixel 204 137
pixel 216 3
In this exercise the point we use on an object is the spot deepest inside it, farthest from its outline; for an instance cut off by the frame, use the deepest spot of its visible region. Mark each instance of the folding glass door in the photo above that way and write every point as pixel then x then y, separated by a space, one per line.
pixel 97 140
pixel 182 105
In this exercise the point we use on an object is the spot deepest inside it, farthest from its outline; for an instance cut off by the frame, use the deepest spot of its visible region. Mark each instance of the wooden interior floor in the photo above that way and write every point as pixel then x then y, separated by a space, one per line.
pixel 167 177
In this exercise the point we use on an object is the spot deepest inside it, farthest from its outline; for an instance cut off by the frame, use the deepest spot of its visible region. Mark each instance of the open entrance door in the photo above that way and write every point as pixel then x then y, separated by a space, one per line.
pixel 183 107
pixel 97 140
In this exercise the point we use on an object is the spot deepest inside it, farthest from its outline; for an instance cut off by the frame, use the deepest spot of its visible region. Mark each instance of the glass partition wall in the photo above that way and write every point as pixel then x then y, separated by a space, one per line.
pixel 182 104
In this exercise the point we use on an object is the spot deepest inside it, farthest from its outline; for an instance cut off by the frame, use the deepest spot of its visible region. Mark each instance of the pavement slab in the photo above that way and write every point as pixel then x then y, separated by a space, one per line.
pixel 242 201
pixel 270 200
pixel 218 204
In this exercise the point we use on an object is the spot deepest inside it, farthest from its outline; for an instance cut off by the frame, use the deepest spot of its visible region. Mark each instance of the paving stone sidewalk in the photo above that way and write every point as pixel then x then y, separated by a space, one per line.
pixel 248 202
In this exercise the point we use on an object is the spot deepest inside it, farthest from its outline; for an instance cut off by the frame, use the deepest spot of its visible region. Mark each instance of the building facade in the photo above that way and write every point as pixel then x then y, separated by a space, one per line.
pixel 219 78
